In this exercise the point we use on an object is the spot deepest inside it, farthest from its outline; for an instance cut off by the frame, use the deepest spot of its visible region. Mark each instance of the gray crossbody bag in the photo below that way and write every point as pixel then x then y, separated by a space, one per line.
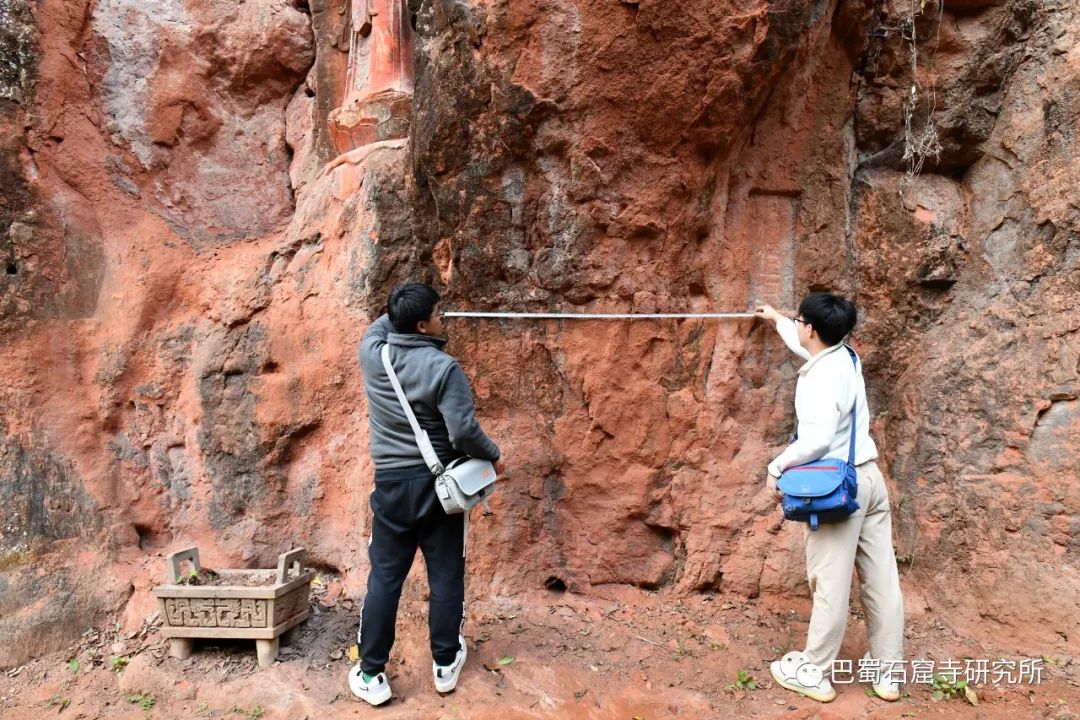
pixel 463 485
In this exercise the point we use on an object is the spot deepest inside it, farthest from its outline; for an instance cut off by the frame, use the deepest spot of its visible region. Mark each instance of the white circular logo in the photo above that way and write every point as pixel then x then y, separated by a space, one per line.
pixel 809 674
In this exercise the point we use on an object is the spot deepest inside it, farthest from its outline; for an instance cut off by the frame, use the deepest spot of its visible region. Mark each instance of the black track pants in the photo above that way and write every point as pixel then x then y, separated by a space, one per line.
pixel 407 515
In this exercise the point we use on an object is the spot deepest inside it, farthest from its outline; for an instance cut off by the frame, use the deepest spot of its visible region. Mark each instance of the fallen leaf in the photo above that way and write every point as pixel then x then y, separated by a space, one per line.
pixel 970 695
pixel 74 665
pixel 506 660
pixel 354 653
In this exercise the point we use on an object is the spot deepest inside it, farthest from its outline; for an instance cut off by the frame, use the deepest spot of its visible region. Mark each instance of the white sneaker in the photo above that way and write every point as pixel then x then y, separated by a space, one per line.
pixel 887 688
pixel 446 676
pixel 376 691
pixel 887 685
pixel 795 672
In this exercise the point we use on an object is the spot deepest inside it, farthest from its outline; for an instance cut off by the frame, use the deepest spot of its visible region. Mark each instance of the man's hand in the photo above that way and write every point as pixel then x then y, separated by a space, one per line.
pixel 767 312
pixel 498 465
pixel 770 483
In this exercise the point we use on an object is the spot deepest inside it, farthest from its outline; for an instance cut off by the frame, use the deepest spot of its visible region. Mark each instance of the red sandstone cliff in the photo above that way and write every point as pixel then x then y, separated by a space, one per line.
pixel 183 287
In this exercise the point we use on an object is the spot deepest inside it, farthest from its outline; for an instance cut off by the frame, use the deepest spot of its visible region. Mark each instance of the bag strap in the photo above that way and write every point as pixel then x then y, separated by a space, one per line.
pixel 854 409
pixel 431 459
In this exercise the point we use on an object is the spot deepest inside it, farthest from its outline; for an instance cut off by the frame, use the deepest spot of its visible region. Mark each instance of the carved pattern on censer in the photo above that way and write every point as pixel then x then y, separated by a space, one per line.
pixel 217 612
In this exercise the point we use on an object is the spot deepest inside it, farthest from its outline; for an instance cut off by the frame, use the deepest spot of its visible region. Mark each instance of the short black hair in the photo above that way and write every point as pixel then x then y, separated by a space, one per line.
pixel 832 316
pixel 409 304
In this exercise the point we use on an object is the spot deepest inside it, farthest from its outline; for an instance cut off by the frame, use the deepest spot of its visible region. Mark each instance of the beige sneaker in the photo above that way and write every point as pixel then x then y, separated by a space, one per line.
pixel 795 672
pixel 887 688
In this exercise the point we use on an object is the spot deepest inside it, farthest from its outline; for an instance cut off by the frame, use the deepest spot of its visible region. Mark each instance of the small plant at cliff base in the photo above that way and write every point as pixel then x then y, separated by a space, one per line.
pixel 118 663
pixel 144 700
pixel 942 688
pixel 59 702
pixel 254 713
pixel 921 143
pixel 744 681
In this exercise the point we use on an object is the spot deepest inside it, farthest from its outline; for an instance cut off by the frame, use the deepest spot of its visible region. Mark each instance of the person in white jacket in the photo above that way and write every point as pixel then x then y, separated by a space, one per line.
pixel 830 384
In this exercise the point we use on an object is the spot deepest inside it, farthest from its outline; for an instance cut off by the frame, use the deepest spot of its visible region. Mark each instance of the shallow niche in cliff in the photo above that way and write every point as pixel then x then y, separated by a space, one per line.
pixel 555 584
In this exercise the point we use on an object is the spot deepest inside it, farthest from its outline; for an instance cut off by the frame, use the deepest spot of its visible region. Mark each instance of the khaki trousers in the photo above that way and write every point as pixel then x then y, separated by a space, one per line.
pixel 864 540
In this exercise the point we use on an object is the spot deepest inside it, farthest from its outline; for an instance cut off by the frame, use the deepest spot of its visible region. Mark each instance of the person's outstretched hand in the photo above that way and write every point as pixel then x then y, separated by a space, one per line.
pixel 770 485
pixel 767 312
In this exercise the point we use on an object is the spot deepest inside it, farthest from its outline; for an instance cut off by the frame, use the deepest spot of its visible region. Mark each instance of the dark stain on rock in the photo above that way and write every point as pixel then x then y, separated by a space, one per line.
pixel 41 496
pixel 229 436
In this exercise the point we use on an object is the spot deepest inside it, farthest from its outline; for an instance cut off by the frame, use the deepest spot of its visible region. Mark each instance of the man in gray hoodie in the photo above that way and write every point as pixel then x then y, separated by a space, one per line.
pixel 406 512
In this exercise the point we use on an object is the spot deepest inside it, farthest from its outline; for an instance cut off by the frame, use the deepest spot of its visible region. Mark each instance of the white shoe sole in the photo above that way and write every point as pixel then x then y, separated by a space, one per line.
pixel 449 685
pixel 370 697
pixel 374 699
pixel 886 695
pixel 802 690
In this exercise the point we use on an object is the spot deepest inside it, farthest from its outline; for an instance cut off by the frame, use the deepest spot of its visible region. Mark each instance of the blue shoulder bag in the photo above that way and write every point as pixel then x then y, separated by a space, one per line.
pixel 823 490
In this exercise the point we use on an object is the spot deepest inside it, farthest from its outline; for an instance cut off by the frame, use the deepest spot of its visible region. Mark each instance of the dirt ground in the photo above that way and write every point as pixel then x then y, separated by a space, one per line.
pixel 627 655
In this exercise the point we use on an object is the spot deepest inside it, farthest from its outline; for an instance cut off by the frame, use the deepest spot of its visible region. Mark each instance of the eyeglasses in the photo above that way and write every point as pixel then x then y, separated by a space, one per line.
pixel 801 321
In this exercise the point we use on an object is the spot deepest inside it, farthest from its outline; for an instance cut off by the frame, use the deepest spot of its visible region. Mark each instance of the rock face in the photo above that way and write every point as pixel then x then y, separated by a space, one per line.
pixel 187 271
pixel 192 93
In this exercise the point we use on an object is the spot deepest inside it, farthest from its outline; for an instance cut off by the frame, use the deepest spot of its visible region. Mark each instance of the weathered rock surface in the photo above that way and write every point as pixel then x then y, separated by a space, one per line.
pixel 192 94
pixel 185 279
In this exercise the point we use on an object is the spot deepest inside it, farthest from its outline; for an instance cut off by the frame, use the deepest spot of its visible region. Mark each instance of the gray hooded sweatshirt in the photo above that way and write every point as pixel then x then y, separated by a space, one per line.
pixel 437 390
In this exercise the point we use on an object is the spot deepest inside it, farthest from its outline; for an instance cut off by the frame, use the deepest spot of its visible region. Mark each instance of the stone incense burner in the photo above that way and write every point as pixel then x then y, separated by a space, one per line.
pixel 262 605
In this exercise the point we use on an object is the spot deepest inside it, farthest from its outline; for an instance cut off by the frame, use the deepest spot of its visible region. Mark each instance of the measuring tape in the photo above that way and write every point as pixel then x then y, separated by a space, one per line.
pixel 598 316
